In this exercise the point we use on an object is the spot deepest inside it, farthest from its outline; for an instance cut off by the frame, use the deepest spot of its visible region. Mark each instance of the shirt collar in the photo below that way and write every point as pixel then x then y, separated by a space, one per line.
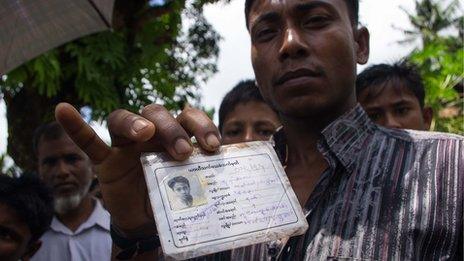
pixel 348 135
pixel 344 138
pixel 99 217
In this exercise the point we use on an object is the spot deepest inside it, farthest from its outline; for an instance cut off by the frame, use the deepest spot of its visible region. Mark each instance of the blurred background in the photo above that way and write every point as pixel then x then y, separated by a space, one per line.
pixel 173 52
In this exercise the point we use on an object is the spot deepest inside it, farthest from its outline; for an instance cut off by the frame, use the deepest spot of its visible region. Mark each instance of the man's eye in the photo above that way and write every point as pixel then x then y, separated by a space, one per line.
pixel 5 235
pixel 232 133
pixel 49 162
pixel 316 21
pixel 71 158
pixel 266 132
pixel 402 110
pixel 265 34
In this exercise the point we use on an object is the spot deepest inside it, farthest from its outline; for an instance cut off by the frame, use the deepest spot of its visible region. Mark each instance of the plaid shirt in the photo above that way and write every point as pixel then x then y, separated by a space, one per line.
pixel 387 195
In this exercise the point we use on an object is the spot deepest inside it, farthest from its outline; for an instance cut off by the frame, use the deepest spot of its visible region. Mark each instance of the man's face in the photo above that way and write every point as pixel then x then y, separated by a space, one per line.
pixel 181 189
pixel 66 169
pixel 249 122
pixel 395 107
pixel 304 54
pixel 15 236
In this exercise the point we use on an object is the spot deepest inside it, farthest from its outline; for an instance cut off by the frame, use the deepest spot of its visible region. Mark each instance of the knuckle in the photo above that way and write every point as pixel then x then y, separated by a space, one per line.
pixel 114 117
pixel 189 110
pixel 191 114
pixel 170 128
pixel 153 109
pixel 114 114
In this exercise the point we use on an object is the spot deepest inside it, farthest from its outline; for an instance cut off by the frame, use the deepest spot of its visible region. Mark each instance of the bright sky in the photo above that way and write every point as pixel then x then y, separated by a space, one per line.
pixel 234 60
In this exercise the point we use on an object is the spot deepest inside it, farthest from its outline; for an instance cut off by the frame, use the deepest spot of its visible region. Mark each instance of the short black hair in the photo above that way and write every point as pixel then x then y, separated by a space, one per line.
pixel 178 179
pixel 49 131
pixel 402 72
pixel 245 91
pixel 353 8
pixel 30 199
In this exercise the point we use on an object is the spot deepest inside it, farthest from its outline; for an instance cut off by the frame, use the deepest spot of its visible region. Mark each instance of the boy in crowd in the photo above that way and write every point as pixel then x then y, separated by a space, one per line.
pixel 245 116
pixel 393 96
pixel 26 210
pixel 80 229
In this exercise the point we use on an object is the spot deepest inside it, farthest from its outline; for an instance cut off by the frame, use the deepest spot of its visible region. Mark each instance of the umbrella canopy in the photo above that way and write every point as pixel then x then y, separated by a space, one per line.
pixel 31 27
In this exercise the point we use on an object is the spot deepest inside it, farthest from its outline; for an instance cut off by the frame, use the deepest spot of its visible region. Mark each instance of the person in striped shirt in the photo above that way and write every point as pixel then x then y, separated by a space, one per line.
pixel 369 193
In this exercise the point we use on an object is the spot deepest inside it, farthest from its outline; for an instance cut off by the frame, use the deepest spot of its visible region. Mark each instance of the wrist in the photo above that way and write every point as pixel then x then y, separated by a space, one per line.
pixel 142 231
pixel 135 242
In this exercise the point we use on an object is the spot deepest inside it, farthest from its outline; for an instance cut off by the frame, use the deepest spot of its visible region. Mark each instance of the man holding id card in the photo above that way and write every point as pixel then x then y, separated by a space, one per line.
pixel 368 193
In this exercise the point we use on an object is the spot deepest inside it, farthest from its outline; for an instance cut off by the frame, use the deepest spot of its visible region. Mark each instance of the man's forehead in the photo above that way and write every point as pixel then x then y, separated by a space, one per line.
pixel 258 4
pixel 387 93
pixel 63 144
pixel 263 7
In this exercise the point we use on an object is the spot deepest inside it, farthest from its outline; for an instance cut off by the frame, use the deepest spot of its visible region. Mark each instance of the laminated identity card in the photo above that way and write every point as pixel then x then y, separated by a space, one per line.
pixel 236 197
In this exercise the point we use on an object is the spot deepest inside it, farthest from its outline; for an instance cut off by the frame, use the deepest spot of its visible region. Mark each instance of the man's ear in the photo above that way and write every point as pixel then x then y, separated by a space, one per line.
pixel 362 45
pixel 427 115
pixel 32 249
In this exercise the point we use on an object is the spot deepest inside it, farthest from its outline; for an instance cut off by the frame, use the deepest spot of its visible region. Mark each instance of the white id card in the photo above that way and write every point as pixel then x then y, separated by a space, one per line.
pixel 211 203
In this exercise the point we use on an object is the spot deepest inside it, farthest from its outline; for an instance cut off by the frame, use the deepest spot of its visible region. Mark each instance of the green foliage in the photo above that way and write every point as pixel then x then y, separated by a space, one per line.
pixel 43 72
pixel 431 18
pixel 149 60
pixel 440 59
pixel 148 57
pixel 441 70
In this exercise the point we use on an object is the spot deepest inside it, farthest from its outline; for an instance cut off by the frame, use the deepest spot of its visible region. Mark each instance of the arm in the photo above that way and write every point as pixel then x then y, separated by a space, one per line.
pixel 119 169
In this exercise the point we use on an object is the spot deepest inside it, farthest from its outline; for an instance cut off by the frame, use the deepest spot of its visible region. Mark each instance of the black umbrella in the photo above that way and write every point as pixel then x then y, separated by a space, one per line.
pixel 29 28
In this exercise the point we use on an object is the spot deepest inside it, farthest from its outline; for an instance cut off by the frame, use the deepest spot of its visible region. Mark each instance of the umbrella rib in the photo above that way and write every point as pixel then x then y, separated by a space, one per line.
pixel 108 24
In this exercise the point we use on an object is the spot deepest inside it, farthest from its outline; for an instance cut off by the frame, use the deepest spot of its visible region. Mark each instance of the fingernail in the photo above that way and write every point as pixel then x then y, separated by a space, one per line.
pixel 213 141
pixel 182 146
pixel 139 125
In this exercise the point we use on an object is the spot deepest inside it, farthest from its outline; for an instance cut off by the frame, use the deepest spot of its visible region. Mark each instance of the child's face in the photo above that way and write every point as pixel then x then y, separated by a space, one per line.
pixel 249 122
pixel 14 236
pixel 395 107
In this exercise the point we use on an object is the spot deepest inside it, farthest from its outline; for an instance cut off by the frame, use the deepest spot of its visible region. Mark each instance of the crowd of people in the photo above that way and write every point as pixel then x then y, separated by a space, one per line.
pixel 374 183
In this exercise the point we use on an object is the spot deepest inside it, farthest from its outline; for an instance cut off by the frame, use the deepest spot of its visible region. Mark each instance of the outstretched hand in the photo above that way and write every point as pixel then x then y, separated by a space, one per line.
pixel 118 166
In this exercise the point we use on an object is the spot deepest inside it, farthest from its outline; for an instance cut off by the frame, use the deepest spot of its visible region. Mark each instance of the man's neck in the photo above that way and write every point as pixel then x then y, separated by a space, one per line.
pixel 302 135
pixel 302 139
pixel 305 163
pixel 76 217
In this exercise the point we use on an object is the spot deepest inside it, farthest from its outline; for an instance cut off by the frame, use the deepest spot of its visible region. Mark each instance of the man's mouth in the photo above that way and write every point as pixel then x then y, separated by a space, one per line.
pixel 297 75
pixel 64 187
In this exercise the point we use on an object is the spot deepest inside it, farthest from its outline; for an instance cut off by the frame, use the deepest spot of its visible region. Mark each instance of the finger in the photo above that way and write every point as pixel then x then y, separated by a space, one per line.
pixel 127 127
pixel 200 125
pixel 81 133
pixel 169 133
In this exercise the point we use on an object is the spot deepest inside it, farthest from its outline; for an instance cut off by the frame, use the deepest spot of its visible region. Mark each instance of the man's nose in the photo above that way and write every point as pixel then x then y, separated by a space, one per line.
pixel 293 45
pixel 62 169
pixel 391 121
pixel 248 135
